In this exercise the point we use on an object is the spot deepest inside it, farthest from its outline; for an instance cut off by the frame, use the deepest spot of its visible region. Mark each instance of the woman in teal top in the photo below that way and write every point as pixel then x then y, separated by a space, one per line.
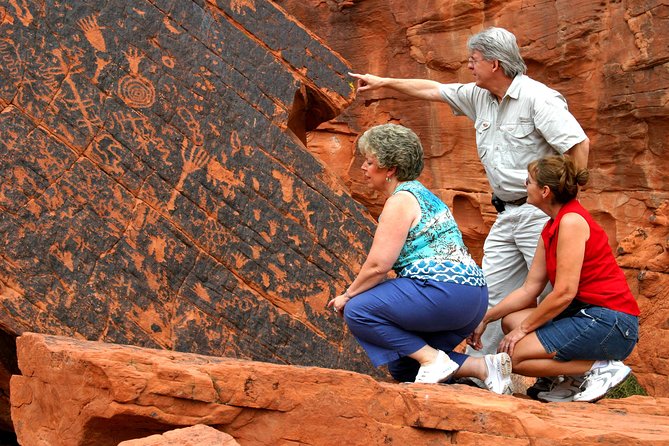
pixel 438 296
pixel 434 248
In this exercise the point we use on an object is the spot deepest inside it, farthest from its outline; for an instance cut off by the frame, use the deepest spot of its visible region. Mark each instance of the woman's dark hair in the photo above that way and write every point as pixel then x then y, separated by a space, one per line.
pixel 560 175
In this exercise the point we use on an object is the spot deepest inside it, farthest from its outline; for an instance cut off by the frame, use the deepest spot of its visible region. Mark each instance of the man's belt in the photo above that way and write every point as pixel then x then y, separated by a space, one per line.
pixel 500 205
pixel 518 202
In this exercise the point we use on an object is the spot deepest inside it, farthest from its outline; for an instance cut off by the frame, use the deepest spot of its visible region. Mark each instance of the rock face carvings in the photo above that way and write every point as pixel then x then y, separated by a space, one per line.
pixel 154 189
pixel 609 59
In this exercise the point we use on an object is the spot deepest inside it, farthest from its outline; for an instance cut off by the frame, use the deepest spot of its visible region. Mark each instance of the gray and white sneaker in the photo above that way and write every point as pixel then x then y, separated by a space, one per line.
pixel 542 384
pixel 599 381
pixel 562 391
pixel 499 373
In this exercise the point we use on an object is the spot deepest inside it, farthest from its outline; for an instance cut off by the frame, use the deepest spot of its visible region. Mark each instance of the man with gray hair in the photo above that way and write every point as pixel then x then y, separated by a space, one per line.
pixel 517 120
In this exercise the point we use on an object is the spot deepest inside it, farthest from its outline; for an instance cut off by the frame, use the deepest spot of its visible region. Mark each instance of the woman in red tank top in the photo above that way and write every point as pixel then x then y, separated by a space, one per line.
pixel 582 330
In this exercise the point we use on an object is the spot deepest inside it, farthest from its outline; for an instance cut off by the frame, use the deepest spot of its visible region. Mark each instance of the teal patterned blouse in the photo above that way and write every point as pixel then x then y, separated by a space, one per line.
pixel 434 248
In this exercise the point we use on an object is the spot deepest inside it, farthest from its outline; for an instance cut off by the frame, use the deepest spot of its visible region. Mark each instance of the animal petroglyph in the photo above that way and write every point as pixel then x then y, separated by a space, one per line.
pixel 239 5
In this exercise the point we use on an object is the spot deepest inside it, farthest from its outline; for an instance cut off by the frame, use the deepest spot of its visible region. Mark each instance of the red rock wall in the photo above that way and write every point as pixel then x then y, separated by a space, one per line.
pixel 609 59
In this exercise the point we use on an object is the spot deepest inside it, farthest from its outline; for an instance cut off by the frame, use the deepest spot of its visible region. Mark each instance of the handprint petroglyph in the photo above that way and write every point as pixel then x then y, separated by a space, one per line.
pixel 93 32
pixel 193 159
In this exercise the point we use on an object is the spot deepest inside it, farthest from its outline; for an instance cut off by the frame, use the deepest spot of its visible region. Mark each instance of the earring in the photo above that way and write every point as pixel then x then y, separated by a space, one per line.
pixel 387 179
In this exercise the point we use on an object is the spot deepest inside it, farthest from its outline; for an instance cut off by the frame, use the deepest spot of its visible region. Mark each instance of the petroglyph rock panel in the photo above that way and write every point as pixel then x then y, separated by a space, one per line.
pixel 154 187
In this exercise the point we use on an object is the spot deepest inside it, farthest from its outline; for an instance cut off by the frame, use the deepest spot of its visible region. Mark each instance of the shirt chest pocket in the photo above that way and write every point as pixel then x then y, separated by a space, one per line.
pixel 518 130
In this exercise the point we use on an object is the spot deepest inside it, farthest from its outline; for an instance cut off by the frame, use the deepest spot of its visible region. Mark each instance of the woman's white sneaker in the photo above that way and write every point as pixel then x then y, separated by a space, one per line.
pixel 499 373
pixel 599 381
pixel 439 371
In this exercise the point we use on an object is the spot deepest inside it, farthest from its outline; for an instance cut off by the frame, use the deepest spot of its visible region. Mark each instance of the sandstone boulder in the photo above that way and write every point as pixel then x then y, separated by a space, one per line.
pixel 74 392
pixel 154 184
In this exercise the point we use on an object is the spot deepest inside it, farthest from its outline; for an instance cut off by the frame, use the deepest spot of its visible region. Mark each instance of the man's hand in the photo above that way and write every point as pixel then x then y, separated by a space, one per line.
pixel 366 82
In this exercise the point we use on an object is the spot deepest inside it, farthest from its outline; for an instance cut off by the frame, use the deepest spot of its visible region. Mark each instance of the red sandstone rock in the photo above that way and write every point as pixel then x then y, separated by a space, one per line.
pixel 74 392
pixel 198 435
pixel 154 189
pixel 112 229
pixel 609 61
pixel 154 185
pixel 644 255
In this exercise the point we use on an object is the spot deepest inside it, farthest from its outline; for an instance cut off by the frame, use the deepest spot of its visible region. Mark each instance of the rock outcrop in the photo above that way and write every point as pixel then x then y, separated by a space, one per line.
pixel 609 59
pixel 155 188
pixel 153 192
pixel 74 392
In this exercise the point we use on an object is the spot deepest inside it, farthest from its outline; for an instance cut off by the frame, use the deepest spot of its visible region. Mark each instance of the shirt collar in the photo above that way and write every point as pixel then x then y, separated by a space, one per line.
pixel 514 89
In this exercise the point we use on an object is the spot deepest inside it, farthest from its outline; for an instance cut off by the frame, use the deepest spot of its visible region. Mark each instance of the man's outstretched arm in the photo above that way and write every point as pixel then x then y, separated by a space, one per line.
pixel 416 88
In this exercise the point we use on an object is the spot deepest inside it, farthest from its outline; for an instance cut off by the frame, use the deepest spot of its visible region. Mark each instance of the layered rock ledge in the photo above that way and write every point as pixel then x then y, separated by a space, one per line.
pixel 74 392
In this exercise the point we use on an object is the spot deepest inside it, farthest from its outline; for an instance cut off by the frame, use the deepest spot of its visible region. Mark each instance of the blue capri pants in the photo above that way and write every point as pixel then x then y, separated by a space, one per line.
pixel 400 316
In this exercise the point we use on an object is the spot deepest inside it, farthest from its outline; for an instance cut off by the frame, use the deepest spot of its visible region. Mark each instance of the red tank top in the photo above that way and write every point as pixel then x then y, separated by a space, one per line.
pixel 602 282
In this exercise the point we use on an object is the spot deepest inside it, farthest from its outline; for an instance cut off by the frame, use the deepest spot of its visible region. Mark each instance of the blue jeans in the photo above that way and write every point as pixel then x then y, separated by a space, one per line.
pixel 400 316
pixel 593 333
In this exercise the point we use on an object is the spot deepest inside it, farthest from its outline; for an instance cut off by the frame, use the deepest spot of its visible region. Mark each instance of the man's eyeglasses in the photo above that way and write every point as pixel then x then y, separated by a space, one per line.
pixel 473 61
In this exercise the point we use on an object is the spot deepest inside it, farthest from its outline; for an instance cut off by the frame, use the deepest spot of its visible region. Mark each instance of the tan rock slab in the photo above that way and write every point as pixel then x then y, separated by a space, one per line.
pixel 74 392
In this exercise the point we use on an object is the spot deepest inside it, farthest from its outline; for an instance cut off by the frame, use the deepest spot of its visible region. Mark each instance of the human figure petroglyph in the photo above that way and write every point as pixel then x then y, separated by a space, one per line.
pixel 134 89
pixel 93 32
pixel 22 11
pixel 303 205
pixel 193 126
pixel 100 65
pixel 86 107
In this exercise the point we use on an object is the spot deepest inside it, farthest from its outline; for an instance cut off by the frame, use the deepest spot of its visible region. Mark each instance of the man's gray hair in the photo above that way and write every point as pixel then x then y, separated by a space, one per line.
pixel 499 44
pixel 396 146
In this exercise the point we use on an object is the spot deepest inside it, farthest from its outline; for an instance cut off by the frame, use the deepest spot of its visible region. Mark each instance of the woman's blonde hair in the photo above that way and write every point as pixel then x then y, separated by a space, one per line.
pixel 394 145
pixel 560 174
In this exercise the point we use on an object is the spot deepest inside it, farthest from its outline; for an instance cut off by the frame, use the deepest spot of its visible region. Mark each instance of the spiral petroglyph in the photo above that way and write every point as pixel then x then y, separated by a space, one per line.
pixel 134 89
pixel 136 92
